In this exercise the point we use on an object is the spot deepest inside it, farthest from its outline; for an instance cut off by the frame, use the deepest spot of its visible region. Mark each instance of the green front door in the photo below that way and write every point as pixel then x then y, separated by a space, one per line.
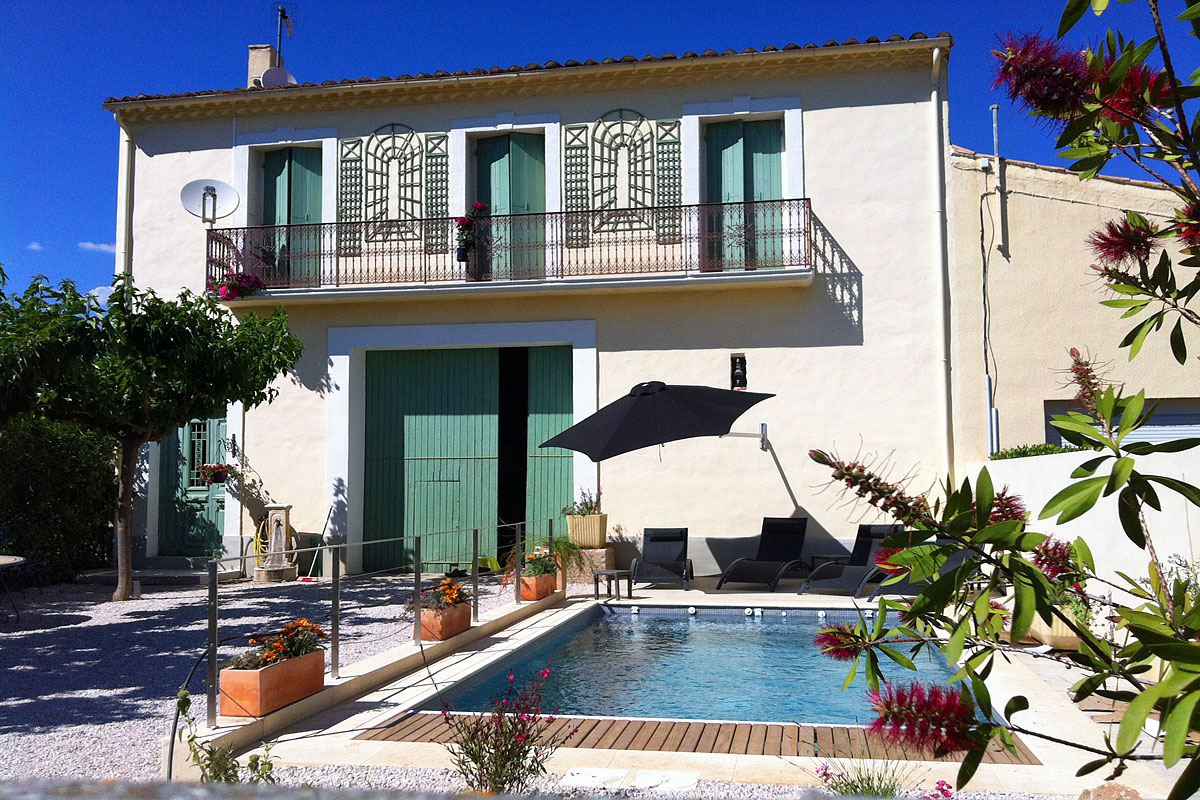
pixel 510 175
pixel 292 197
pixel 191 513
pixel 744 167
pixel 430 454
pixel 549 474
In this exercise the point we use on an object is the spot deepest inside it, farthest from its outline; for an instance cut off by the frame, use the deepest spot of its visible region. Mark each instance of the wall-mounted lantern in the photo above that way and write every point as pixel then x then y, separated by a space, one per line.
pixel 737 371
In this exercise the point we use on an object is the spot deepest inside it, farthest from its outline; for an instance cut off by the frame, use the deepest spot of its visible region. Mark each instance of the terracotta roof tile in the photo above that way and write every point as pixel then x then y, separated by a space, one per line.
pixel 515 68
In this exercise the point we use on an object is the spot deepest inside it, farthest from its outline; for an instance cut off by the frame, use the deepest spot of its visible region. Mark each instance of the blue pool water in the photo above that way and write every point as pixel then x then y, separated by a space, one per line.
pixel 664 664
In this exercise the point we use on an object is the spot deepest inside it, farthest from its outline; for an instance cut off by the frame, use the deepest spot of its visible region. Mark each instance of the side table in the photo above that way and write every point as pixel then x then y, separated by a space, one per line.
pixel 609 575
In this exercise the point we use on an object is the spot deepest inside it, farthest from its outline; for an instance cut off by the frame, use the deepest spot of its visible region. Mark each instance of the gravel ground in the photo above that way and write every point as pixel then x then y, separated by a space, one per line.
pixel 89 685
pixel 440 781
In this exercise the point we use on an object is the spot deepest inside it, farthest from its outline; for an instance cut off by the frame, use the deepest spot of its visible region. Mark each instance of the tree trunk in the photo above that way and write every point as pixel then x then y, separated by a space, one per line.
pixel 124 533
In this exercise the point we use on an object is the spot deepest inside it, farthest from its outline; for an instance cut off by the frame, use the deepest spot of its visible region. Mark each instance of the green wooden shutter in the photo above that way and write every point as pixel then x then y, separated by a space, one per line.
pixel 304 208
pixel 726 163
pixel 527 186
pixel 491 171
pixel 549 474
pixel 764 182
pixel 726 184
pixel 492 187
pixel 431 453
pixel 276 177
pixel 305 199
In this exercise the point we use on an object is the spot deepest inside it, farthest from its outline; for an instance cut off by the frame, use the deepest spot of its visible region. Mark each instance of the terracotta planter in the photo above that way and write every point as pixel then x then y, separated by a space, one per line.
pixel 536 587
pixel 439 624
pixel 1056 634
pixel 258 692
pixel 589 531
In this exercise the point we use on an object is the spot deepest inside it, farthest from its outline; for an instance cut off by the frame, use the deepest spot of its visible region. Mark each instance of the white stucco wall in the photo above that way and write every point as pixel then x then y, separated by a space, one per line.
pixel 848 375
pixel 1044 297
pixel 1175 529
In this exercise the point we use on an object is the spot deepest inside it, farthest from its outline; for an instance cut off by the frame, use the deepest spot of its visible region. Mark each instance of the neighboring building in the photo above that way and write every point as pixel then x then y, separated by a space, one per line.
pixel 661 218
pixel 1042 299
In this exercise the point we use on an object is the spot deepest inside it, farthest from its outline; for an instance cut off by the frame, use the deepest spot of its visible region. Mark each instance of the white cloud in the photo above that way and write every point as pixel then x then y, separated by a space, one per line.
pixel 34 246
pixel 98 248
pixel 102 293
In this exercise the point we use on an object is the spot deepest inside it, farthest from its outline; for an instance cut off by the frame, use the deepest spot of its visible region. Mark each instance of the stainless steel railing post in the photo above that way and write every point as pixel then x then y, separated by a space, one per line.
pixel 212 644
pixel 475 575
pixel 518 560
pixel 335 613
pixel 416 603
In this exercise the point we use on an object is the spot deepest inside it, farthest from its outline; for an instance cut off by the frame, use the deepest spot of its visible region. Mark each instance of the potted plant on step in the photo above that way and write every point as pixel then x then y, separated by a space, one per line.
pixel 285 667
pixel 445 611
pixel 586 526
pixel 538 574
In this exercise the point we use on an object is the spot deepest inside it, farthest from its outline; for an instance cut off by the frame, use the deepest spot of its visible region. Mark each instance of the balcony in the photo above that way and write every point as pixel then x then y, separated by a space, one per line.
pixel 694 240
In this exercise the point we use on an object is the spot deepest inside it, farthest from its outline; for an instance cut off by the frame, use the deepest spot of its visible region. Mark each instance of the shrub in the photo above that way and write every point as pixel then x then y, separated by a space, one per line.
pixel 875 778
pixel 502 750
pixel 59 493
pixel 1025 450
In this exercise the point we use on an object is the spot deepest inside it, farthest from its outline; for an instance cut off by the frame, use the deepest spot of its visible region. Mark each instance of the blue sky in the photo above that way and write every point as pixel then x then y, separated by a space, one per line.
pixel 58 147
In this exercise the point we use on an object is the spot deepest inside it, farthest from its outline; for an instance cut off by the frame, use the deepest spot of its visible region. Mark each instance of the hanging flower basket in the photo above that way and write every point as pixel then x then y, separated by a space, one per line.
pixel 217 473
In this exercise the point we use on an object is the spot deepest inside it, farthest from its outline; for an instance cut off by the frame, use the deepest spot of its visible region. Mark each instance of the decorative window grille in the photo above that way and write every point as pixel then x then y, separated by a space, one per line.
pixel 437 191
pixel 197 455
pixel 393 192
pixel 669 180
pixel 576 188
pixel 623 170
pixel 350 190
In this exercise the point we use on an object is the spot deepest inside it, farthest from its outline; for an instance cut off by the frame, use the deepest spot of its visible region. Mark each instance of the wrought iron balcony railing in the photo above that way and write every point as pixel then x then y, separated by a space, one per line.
pixel 708 238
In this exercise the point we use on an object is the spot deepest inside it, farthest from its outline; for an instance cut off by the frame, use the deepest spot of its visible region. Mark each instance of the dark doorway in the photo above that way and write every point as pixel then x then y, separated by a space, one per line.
pixel 511 468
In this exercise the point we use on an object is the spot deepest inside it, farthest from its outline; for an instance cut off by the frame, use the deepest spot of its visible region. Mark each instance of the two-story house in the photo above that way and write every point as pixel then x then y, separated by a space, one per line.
pixel 778 213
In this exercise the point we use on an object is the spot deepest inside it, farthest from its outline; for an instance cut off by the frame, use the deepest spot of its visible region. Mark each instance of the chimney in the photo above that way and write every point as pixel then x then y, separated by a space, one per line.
pixel 262 58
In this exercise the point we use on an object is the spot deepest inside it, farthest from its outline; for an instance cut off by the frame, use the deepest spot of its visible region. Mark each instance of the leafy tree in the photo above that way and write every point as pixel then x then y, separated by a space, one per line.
pixel 136 371
pixel 1123 99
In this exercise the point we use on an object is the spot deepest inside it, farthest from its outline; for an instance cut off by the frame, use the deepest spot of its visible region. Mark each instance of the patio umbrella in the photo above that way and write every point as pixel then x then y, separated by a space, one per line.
pixel 655 413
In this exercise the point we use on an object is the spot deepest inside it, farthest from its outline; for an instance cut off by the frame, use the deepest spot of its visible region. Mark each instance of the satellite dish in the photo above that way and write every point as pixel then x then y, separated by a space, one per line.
pixel 274 77
pixel 209 199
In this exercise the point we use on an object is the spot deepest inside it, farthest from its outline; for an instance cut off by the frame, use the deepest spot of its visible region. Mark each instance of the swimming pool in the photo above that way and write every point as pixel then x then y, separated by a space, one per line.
pixel 716 665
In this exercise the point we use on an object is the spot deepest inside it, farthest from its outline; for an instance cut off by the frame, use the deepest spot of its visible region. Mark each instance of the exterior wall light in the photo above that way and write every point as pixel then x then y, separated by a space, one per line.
pixel 737 371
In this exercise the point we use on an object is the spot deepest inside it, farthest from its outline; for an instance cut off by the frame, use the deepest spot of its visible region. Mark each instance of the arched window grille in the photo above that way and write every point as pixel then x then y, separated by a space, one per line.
pixel 623 170
pixel 393 183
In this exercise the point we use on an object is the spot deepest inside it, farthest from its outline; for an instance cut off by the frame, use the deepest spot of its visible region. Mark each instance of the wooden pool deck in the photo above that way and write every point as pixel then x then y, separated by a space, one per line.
pixel 676 736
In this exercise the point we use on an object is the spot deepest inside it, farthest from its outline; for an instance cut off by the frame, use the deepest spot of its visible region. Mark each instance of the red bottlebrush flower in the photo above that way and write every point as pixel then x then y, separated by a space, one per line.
pixel 1006 507
pixel 1053 557
pixel 1119 242
pixel 999 608
pixel 924 716
pixel 839 642
pixel 1142 89
pixel 883 558
pixel 887 497
pixel 1043 75
pixel 1087 383
pixel 1187 225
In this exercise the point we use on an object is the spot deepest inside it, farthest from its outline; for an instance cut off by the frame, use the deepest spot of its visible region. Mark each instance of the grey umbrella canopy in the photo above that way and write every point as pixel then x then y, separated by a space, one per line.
pixel 655 413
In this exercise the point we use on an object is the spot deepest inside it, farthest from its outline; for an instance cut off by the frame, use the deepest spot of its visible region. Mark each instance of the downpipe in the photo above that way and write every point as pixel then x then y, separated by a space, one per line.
pixel 940 248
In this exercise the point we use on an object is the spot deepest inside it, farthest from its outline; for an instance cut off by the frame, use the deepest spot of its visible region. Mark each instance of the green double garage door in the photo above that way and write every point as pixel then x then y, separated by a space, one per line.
pixel 452 445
